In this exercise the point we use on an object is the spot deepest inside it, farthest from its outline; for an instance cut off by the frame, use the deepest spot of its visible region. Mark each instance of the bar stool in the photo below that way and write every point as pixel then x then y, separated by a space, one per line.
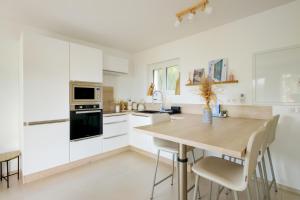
pixel 5 158
pixel 229 174
pixel 271 139
pixel 172 148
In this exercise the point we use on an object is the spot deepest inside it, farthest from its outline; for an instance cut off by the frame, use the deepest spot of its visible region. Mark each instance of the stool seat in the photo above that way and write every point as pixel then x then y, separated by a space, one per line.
pixel 9 155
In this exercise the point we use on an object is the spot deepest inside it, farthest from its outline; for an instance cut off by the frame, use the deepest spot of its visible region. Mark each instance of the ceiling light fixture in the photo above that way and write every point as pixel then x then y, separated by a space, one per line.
pixel 191 11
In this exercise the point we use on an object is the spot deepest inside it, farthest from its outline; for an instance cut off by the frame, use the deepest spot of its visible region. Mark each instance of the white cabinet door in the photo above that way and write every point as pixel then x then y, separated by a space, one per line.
pixel 45 146
pixel 115 64
pixel 86 63
pixel 138 139
pixel 45 78
pixel 85 148
pixel 114 143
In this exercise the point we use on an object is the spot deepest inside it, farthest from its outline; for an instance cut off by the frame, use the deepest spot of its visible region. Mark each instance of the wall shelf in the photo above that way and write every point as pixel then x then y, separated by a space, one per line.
pixel 217 83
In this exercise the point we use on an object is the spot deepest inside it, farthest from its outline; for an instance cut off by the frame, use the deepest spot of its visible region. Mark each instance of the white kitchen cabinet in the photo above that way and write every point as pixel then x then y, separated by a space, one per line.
pixel 86 63
pixel 45 78
pixel 140 140
pixel 114 143
pixel 115 64
pixel 45 146
pixel 115 132
pixel 85 148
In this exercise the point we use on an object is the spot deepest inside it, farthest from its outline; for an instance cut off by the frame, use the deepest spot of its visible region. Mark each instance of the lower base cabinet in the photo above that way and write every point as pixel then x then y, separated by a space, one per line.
pixel 45 146
pixel 113 143
pixel 85 148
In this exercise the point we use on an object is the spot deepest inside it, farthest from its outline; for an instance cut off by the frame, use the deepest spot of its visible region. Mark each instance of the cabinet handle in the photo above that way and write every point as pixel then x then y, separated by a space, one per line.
pixel 106 138
pixel 45 122
pixel 117 122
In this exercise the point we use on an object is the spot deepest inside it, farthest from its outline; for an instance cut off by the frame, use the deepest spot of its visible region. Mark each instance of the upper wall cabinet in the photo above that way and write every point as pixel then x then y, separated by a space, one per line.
pixel 117 65
pixel 45 67
pixel 86 63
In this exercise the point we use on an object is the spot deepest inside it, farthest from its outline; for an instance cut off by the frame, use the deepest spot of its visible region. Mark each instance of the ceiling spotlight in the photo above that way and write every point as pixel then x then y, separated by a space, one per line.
pixel 208 10
pixel 177 22
pixel 191 15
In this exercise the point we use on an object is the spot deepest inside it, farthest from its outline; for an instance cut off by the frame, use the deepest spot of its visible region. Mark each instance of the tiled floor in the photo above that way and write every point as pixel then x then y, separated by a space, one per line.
pixel 125 176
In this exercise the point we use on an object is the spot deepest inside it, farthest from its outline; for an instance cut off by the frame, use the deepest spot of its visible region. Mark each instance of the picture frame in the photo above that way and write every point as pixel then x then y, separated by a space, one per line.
pixel 218 69
pixel 198 74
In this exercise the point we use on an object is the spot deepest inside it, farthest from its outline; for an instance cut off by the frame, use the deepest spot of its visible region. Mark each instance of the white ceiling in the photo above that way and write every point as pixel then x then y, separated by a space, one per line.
pixel 131 25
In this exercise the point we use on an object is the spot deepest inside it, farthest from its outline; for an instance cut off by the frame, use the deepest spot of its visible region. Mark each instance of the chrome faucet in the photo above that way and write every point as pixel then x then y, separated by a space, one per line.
pixel 162 106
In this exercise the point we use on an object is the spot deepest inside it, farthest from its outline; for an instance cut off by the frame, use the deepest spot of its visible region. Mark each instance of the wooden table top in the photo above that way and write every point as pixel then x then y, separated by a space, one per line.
pixel 226 135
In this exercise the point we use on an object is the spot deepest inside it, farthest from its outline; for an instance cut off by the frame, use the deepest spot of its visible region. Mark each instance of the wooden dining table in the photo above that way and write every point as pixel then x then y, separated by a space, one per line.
pixel 227 136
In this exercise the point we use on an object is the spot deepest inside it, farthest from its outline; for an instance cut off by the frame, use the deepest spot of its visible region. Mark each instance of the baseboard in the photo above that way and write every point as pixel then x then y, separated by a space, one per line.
pixel 62 168
pixel 288 189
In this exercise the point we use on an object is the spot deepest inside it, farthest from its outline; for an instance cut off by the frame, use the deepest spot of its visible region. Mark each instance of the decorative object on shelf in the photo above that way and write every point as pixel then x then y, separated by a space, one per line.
pixel 191 11
pixel 150 90
pixel 189 82
pixel 141 106
pixel 231 77
pixel 198 75
pixel 123 106
pixel 217 69
pixel 117 107
pixel 208 95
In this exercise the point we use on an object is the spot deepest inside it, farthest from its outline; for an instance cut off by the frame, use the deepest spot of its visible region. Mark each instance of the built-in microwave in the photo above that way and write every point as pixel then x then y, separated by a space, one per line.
pixel 82 93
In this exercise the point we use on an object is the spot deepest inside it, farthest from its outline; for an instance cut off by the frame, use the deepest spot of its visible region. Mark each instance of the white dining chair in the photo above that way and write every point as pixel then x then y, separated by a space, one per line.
pixel 172 148
pixel 229 174
pixel 271 139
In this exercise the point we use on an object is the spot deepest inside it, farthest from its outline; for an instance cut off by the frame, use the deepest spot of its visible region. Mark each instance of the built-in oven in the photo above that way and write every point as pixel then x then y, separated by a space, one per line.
pixel 85 93
pixel 86 121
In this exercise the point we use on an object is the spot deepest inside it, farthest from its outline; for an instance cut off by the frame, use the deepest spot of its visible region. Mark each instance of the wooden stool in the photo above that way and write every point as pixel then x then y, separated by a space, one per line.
pixel 5 158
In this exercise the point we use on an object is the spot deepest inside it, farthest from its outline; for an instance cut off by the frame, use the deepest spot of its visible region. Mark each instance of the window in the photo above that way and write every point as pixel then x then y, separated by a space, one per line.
pixel 166 76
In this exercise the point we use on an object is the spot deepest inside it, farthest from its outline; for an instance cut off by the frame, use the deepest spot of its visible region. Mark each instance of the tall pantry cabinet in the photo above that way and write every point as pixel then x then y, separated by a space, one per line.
pixel 44 85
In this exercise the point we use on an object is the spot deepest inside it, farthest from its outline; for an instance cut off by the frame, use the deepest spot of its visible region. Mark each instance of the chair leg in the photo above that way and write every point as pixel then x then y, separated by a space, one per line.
pixel 262 178
pixel 272 169
pixel 219 191
pixel 18 167
pixel 1 171
pixel 266 178
pixel 196 187
pixel 236 196
pixel 194 158
pixel 173 162
pixel 256 186
pixel 154 180
pixel 211 187
pixel 7 174
pixel 248 193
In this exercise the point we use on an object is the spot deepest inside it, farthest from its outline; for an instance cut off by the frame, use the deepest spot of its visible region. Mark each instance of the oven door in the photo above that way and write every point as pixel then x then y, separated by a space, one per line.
pixel 85 124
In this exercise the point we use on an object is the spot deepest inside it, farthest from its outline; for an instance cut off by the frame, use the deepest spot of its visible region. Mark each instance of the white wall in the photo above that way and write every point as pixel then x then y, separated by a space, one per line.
pixel 237 41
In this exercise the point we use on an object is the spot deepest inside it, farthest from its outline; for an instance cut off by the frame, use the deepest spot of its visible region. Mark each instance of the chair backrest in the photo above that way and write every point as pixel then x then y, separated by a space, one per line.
pixel 272 133
pixel 253 148
pixel 268 130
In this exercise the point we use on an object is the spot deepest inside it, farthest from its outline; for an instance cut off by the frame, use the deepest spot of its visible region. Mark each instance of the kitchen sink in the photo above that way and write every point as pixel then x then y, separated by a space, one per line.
pixel 149 111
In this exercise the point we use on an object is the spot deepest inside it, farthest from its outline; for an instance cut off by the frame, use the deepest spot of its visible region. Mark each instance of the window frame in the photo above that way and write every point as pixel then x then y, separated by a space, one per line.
pixel 164 65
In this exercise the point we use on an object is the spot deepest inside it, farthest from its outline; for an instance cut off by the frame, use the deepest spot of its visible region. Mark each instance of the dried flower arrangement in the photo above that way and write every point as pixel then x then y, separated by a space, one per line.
pixel 206 91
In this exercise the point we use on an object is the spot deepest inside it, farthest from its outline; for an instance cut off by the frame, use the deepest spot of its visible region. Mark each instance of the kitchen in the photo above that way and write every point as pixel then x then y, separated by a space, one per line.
pixel 42 67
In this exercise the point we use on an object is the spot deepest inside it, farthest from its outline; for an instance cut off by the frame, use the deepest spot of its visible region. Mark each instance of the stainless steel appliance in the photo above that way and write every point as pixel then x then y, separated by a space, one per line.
pixel 82 93
pixel 86 113
pixel 86 121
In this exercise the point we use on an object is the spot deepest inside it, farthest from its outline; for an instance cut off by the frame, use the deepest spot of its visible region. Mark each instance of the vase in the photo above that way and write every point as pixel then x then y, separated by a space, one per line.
pixel 207 116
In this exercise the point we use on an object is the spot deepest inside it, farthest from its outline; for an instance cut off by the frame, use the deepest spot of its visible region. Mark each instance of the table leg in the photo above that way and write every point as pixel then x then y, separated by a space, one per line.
pixel 182 160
